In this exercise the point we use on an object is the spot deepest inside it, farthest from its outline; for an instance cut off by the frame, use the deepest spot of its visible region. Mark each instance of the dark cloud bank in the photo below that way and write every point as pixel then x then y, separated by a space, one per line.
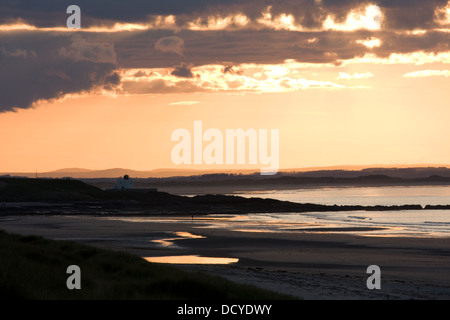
pixel 402 14
pixel 46 65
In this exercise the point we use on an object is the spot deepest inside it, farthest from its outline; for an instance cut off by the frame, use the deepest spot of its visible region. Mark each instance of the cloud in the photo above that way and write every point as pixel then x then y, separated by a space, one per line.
pixel 230 22
pixel 33 68
pixel 183 71
pixel 111 81
pixel 371 42
pixel 230 69
pixel 254 31
pixel 17 53
pixel 443 15
pixel 410 14
pixel 184 103
pixel 271 47
pixel 160 86
pixel 228 45
pixel 427 73
pixel 139 74
pixel 82 49
pixel 368 18
pixel 232 14
pixel 253 78
pixel 170 44
pixel 356 75
pixel 413 58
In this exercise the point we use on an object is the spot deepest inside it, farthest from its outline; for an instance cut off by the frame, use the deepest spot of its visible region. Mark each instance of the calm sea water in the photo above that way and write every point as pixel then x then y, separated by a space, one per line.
pixel 402 223
pixel 366 196
pixel 429 223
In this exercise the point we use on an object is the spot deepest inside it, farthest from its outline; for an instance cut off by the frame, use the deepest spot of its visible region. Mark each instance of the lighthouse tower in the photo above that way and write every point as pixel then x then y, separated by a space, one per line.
pixel 124 182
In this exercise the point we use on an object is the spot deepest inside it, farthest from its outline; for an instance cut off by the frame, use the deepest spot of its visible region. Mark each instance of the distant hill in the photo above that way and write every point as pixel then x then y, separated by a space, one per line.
pixel 80 173
pixel 196 182
pixel 418 171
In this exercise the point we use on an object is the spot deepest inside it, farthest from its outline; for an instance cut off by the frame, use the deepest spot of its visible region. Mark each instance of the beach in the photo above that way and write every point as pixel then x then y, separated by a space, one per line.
pixel 330 264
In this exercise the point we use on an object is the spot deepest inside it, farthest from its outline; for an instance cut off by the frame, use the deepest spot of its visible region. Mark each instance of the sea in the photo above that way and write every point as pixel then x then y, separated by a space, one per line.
pixel 408 223
pixel 396 223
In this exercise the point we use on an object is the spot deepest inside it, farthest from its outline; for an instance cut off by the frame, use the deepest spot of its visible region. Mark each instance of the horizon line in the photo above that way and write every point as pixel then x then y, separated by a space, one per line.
pixel 194 171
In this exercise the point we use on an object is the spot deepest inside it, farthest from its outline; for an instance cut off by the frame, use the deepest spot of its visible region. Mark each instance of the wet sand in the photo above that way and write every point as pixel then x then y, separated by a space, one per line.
pixel 312 265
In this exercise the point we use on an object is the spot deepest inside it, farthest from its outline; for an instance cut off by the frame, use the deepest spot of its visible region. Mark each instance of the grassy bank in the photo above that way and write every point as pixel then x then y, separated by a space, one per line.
pixel 35 268
pixel 23 189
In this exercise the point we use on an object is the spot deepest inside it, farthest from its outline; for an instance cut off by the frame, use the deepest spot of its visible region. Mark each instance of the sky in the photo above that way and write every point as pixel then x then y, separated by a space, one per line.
pixel 343 82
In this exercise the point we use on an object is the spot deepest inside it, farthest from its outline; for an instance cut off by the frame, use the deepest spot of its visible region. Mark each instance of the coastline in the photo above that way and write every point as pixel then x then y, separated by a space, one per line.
pixel 199 189
pixel 310 265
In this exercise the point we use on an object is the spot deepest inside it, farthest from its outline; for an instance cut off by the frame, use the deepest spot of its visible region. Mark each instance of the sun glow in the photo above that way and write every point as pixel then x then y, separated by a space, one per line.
pixel 443 14
pixel 369 19
pixel 370 42
pixel 257 78
pixel 281 22
pixel 427 73
pixel 162 22
pixel 414 58
pixel 237 21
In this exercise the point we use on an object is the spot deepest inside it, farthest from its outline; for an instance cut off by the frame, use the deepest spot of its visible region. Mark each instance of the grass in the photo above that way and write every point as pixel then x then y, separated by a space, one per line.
pixel 33 267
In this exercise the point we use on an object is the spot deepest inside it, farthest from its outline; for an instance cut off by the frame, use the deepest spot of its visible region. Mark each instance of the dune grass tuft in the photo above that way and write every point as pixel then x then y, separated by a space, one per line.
pixel 33 267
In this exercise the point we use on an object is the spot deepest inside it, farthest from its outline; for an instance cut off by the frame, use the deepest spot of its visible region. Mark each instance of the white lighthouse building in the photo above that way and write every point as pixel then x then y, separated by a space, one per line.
pixel 124 182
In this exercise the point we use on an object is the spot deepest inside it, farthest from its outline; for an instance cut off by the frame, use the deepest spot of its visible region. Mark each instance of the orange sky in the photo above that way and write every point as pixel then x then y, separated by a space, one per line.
pixel 398 121
pixel 390 109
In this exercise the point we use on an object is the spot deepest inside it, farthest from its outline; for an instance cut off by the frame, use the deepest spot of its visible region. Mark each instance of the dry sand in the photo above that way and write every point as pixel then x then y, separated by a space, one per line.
pixel 304 264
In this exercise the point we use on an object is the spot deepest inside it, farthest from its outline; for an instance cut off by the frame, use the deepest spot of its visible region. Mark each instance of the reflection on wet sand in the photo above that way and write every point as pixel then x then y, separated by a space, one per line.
pixel 396 223
pixel 169 242
pixel 192 259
